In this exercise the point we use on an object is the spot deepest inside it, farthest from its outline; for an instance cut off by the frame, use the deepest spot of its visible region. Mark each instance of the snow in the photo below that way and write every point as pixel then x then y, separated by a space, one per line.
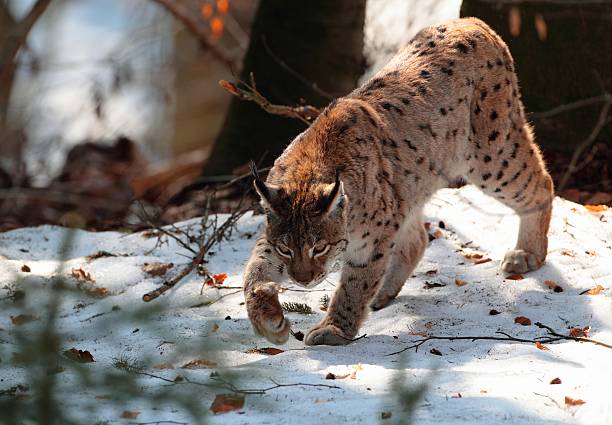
pixel 499 382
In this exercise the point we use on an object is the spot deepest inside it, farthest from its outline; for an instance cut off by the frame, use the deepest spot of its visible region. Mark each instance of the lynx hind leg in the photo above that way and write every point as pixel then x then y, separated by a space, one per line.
pixel 408 250
pixel 513 172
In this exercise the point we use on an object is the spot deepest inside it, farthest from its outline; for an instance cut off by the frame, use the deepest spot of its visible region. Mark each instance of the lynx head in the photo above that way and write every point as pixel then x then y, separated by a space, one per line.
pixel 306 225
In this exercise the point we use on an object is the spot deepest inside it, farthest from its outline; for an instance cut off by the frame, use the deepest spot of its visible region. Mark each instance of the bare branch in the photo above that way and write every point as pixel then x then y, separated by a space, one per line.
pixel 599 125
pixel 305 113
pixel 555 337
pixel 205 244
pixel 606 97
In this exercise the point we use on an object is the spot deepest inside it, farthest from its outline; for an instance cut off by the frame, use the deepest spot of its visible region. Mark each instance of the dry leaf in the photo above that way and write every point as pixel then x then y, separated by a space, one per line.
pixel 156 269
pixel 596 208
pixel 476 257
pixel 224 403
pixel 541 27
pixel 514 21
pixel 81 356
pixel 593 291
pixel 99 254
pixel 97 292
pixel 223 6
pixel 206 10
pixel 438 234
pixel 435 351
pixel 573 402
pixel 460 282
pixel 568 252
pixel 541 346
pixel 522 320
pixel 130 414
pixel 330 376
pixel 493 312
pixel 82 275
pixel 551 284
pixel 22 319
pixel 555 381
pixel 271 351
pixel 199 364
pixel 483 391
pixel 163 366
pixel 580 333
pixel 151 233
pixel 217 279
pixel 417 333
pixel 25 268
pixel 515 276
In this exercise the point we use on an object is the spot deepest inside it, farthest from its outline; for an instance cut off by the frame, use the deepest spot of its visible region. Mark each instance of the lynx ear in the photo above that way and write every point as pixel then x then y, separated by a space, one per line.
pixel 333 197
pixel 268 193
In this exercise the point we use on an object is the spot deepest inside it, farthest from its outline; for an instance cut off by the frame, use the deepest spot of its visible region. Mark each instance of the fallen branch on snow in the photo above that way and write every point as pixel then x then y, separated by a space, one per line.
pixel 215 233
pixel 554 337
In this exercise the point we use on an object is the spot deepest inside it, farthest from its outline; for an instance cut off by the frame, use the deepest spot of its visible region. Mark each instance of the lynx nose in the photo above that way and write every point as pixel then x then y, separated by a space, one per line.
pixel 303 277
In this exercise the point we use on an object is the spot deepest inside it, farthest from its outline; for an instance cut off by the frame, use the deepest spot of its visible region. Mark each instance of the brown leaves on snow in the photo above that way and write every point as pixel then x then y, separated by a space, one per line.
pixel 475 257
pixel 82 276
pixel 522 320
pixel 224 403
pixel 593 291
pixel 22 319
pixel 573 402
pixel 580 332
pixel 199 364
pixel 80 356
pixel 270 351
pixel 156 269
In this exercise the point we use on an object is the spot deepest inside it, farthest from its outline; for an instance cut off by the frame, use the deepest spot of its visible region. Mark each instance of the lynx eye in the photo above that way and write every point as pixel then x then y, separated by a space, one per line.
pixel 317 251
pixel 284 251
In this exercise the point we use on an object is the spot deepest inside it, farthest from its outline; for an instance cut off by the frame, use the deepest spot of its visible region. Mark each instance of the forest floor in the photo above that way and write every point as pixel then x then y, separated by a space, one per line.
pixel 196 332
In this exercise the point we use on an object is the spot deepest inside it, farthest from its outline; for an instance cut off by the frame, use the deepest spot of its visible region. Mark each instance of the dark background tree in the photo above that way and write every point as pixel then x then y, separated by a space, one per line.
pixel 563 54
pixel 311 50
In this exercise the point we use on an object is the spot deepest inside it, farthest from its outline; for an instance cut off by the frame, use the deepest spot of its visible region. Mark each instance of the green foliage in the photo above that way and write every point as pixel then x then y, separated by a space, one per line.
pixel 405 397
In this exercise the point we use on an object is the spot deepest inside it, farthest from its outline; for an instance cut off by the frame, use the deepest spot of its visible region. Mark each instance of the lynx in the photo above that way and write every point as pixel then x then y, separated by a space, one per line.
pixel 352 187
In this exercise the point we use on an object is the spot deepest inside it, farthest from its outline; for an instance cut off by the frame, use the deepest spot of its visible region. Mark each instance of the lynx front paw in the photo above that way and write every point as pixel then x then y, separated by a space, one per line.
pixel 326 335
pixel 519 261
pixel 266 314
pixel 381 301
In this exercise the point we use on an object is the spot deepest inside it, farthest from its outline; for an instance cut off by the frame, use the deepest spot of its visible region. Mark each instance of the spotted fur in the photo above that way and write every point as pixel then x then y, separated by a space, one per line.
pixel 445 109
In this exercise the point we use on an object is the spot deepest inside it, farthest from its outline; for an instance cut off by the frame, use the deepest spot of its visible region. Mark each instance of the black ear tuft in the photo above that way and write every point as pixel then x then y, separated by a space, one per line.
pixel 260 186
pixel 332 195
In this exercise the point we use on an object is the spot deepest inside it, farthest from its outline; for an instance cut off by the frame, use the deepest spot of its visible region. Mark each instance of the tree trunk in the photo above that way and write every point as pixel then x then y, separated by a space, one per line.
pixel 563 54
pixel 311 50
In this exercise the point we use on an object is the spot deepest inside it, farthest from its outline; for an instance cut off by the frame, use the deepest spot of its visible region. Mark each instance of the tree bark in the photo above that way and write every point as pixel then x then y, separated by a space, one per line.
pixel 310 50
pixel 563 54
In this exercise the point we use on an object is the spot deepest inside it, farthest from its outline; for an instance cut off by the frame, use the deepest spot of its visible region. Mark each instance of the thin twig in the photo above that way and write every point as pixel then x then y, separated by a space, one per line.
pixel 571 338
pixel 606 97
pixel 304 113
pixel 217 234
pixel 555 336
pixel 183 15
pixel 310 84
pixel 226 385
pixel 599 125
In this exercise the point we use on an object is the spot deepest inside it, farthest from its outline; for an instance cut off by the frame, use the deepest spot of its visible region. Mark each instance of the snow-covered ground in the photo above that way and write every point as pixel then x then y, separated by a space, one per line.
pixel 475 382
